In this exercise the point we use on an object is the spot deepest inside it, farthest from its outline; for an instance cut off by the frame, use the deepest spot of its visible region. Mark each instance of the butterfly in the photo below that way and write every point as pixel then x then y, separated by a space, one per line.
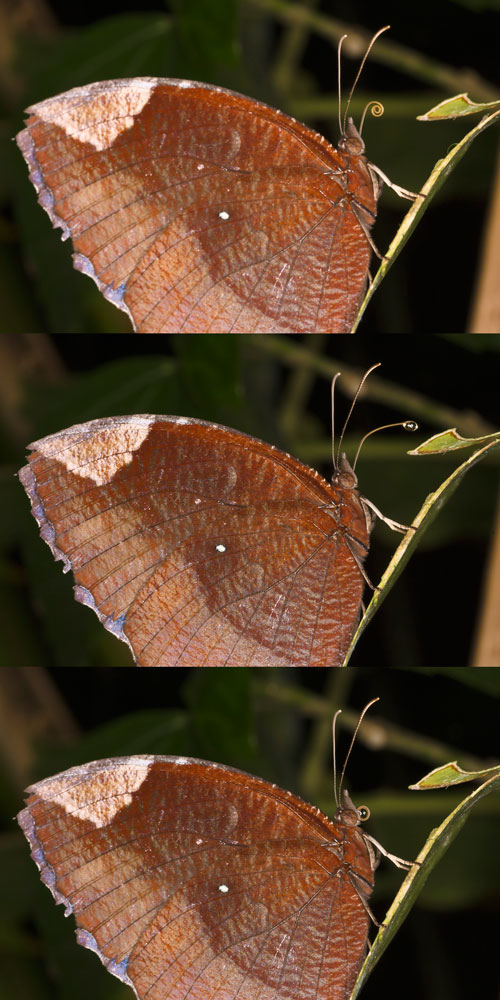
pixel 193 879
pixel 196 209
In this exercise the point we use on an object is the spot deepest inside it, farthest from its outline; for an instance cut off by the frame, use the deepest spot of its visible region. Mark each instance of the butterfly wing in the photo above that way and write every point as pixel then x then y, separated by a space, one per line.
pixel 190 879
pixel 198 210
pixel 199 545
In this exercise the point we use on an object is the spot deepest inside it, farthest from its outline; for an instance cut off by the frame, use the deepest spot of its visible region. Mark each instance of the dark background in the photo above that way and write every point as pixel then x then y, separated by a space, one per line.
pixel 276 725
pixel 53 46
pixel 430 616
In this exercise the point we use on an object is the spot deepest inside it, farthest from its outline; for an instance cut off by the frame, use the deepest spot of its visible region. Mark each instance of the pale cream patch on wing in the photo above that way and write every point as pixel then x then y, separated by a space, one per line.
pixel 98 455
pixel 99 118
pixel 100 796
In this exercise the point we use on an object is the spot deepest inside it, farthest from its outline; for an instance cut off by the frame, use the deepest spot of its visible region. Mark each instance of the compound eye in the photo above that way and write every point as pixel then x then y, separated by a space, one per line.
pixel 364 813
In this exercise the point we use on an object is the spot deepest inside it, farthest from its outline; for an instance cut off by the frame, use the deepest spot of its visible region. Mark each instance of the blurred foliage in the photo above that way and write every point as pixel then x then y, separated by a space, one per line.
pixel 276 725
pixel 429 617
pixel 255 47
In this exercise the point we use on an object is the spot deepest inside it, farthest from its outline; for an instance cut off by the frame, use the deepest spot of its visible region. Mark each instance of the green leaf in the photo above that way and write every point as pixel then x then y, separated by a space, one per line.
pixel 152 731
pixel 221 717
pixel 451 774
pixel 450 440
pixel 127 385
pixel 129 44
pixel 206 32
pixel 433 850
pixel 457 107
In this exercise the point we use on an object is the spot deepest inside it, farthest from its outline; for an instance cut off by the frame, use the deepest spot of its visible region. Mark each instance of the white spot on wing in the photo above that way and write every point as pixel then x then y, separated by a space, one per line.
pixel 220 547
pixel 224 215
pixel 223 888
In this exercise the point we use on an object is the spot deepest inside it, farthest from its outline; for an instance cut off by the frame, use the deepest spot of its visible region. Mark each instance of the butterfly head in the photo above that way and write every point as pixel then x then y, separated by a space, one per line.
pixel 348 814
pixel 350 141
pixel 343 474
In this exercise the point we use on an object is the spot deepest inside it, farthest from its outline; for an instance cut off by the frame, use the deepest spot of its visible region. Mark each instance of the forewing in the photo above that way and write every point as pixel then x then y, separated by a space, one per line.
pixel 199 545
pixel 193 880
pixel 198 210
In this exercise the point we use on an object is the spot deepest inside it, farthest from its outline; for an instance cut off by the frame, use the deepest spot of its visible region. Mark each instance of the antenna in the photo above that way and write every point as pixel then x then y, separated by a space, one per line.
pixel 334 379
pixel 408 425
pixel 339 86
pixel 377 110
pixel 334 743
pixel 356 394
pixel 363 713
pixel 358 74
